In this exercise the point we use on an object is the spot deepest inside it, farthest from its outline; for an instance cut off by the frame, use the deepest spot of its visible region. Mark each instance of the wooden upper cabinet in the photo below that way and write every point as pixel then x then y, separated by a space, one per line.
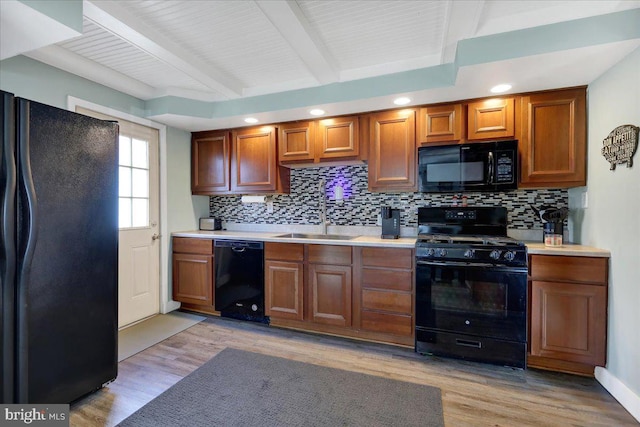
pixel 553 139
pixel 296 142
pixel 210 162
pixel 253 162
pixel 337 137
pixel 321 141
pixel 441 123
pixel 491 118
pixel 392 156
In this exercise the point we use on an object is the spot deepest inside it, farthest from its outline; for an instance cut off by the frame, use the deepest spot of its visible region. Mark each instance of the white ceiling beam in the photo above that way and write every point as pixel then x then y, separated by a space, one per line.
pixel 462 19
pixel 289 20
pixel 111 16
pixel 73 63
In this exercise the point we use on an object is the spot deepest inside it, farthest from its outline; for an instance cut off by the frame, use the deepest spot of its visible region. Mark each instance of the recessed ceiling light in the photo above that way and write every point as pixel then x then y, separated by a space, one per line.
pixel 500 88
pixel 251 120
pixel 403 100
pixel 316 112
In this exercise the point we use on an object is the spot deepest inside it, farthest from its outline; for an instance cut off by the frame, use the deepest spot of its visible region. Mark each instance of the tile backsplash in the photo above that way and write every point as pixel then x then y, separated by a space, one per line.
pixel 360 207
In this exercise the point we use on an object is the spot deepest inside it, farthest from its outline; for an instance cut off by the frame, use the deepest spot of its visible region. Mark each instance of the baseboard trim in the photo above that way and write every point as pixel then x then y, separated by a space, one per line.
pixel 623 394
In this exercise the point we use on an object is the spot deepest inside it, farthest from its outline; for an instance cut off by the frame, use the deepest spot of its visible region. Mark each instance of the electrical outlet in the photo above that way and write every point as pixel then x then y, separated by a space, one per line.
pixel 269 206
pixel 584 200
pixel 379 220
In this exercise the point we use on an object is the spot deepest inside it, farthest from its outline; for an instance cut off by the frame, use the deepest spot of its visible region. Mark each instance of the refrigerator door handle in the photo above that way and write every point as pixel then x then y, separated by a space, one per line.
pixel 31 209
pixel 8 236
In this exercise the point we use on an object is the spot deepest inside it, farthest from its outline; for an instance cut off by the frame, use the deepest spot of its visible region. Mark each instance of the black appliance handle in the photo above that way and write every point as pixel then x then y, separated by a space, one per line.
pixel 31 217
pixel 469 343
pixel 8 237
pixel 238 249
pixel 482 265
pixel 490 167
pixel 8 226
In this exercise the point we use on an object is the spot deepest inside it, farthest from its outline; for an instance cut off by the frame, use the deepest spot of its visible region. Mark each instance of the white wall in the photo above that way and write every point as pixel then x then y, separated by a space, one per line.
pixel 612 221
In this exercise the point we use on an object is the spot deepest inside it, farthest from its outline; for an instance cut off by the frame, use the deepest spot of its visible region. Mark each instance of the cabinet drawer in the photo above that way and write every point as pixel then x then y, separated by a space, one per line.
pixel 387 257
pixel 398 324
pixel 190 245
pixel 330 254
pixel 396 280
pixel 569 269
pixel 396 302
pixel 284 251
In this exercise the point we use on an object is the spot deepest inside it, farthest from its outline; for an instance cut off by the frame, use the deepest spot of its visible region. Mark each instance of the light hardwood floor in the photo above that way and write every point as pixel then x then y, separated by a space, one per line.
pixel 472 394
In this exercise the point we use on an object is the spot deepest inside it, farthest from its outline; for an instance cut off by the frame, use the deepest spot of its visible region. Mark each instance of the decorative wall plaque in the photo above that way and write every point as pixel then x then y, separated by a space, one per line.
pixel 620 146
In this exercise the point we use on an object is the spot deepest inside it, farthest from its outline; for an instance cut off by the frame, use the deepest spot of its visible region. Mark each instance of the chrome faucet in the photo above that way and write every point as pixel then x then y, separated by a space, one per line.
pixel 323 206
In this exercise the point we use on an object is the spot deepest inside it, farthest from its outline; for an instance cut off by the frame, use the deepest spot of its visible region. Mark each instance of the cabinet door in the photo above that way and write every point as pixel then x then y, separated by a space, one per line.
pixel 193 279
pixel 568 321
pixel 253 160
pixel 337 137
pixel 491 118
pixel 330 294
pixel 210 162
pixel 553 141
pixel 296 142
pixel 392 159
pixel 442 123
pixel 284 289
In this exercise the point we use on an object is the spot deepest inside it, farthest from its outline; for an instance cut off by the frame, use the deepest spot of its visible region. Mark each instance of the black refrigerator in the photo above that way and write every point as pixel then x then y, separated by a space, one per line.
pixel 59 254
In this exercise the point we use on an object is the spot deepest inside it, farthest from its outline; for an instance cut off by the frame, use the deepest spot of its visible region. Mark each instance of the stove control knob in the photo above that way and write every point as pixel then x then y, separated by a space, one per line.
pixel 430 252
pixel 469 253
pixel 495 254
pixel 442 252
pixel 509 256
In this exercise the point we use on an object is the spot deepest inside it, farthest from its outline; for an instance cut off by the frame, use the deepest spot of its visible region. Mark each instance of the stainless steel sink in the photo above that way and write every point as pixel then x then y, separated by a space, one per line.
pixel 317 236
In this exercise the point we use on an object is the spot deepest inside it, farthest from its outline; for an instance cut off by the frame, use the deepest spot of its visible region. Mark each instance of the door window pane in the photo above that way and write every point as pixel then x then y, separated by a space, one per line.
pixel 140 183
pixel 125 151
pixel 139 154
pixel 125 181
pixel 125 212
pixel 140 212
pixel 134 182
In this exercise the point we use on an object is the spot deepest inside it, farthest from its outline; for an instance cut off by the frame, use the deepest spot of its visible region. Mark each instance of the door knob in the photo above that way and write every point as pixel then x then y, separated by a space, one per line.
pixel 156 236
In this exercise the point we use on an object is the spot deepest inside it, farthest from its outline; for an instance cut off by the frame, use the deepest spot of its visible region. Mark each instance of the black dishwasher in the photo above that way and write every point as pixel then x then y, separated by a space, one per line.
pixel 239 280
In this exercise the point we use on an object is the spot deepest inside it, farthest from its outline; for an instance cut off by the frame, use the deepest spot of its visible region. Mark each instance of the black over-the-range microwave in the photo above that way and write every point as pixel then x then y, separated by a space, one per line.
pixel 480 166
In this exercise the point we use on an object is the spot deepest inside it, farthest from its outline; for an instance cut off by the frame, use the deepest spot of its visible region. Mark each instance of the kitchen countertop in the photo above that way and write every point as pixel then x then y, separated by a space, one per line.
pixel 403 242
pixel 534 248
pixel 569 249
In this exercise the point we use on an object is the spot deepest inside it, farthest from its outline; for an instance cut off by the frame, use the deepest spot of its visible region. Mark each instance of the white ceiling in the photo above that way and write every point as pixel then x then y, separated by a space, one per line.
pixel 217 51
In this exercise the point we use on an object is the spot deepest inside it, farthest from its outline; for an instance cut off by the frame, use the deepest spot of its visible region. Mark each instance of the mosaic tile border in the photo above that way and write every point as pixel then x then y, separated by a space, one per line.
pixel 360 207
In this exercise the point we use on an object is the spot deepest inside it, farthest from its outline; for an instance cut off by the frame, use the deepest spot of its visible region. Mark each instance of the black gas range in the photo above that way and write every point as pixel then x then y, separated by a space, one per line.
pixel 471 286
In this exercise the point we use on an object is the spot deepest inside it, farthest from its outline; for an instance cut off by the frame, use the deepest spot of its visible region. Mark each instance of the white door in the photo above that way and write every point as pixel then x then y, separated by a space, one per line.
pixel 139 216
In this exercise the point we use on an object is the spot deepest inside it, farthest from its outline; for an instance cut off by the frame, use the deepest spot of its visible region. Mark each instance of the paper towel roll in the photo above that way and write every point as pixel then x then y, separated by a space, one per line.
pixel 254 199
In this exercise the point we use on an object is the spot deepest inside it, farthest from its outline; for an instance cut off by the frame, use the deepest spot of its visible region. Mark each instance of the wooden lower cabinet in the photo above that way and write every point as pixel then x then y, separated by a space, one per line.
pixel 355 292
pixel 568 313
pixel 284 289
pixel 383 293
pixel 284 280
pixel 330 294
pixel 192 273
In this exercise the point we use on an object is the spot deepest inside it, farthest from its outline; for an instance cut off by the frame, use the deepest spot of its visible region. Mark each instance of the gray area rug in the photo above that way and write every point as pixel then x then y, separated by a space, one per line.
pixel 239 388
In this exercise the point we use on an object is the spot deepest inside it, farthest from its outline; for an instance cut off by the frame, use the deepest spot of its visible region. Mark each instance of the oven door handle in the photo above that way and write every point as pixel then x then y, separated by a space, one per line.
pixel 500 268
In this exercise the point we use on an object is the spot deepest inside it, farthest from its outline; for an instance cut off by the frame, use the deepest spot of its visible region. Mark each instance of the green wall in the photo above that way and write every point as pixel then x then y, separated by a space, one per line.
pixel 611 220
